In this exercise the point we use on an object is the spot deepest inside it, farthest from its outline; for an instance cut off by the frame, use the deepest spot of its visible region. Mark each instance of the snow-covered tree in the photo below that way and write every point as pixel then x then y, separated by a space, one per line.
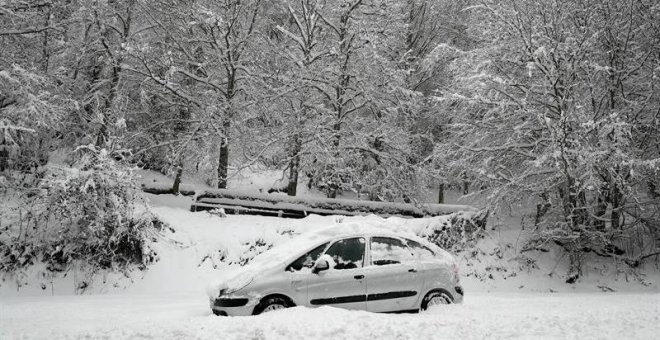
pixel 305 49
pixel 558 105
pixel 205 44
pixel 61 86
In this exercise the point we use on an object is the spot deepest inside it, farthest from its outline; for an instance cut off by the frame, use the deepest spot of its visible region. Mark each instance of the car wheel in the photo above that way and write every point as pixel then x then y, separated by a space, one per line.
pixel 437 297
pixel 271 304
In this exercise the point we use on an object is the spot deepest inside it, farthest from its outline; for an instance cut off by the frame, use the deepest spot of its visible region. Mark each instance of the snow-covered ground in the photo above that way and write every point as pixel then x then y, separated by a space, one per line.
pixel 481 316
pixel 506 297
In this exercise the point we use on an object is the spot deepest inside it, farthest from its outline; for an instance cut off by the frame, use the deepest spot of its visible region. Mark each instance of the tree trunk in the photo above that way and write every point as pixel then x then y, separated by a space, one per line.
pixel 106 110
pixel 4 158
pixel 334 187
pixel 117 61
pixel 345 75
pixel 653 189
pixel 45 50
pixel 223 159
pixel 568 204
pixel 441 193
pixel 294 166
pixel 600 213
pixel 542 208
pixel 615 200
pixel 177 178
pixel 582 211
pixel 575 267
pixel 332 191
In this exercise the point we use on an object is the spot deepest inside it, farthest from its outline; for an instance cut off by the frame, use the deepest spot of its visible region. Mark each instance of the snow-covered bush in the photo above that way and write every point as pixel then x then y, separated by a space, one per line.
pixel 254 248
pixel 89 213
pixel 630 246
pixel 456 232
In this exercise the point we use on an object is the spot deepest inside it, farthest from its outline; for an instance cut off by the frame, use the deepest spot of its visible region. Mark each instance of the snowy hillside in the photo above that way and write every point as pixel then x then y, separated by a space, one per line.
pixel 168 301
pixel 506 295
pixel 198 247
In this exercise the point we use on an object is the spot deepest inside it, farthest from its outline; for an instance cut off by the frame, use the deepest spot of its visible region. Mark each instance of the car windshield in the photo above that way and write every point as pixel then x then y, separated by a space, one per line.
pixel 307 260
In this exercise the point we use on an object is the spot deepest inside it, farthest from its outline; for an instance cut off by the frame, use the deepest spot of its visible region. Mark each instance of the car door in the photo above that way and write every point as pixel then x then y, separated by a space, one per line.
pixel 394 283
pixel 344 285
pixel 434 272
pixel 299 273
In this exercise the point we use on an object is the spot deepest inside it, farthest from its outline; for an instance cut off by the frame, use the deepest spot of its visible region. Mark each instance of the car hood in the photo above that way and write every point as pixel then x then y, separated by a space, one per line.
pixel 231 281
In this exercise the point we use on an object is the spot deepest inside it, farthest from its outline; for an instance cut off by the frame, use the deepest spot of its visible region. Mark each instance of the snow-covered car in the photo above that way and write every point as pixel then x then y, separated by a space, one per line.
pixel 348 266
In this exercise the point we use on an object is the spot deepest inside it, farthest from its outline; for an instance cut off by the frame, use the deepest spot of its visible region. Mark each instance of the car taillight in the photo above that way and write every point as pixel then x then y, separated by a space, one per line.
pixel 456 276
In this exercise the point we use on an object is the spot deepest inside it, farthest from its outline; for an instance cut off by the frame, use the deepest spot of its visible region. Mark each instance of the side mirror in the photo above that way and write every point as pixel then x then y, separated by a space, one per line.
pixel 320 266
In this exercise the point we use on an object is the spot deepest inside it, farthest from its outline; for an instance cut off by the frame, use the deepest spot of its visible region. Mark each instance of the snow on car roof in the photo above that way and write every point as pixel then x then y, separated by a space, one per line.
pixel 311 239
pixel 287 251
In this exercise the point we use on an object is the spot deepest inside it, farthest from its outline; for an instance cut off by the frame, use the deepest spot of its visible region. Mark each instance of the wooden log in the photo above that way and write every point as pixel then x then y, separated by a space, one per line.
pixel 163 191
pixel 296 207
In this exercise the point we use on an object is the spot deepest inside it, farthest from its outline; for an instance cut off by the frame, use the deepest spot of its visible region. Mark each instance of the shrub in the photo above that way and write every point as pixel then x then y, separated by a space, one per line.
pixel 458 231
pixel 91 212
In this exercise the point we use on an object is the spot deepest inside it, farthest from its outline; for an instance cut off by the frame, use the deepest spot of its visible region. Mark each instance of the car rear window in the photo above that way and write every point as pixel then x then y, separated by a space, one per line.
pixel 420 250
pixel 387 250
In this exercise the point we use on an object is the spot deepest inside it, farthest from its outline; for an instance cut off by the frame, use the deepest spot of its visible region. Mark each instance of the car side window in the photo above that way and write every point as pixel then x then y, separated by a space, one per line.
pixel 387 250
pixel 348 253
pixel 307 260
pixel 421 251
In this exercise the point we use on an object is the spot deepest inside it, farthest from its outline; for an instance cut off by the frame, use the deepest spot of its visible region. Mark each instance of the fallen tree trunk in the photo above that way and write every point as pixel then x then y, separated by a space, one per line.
pixel 160 190
pixel 296 207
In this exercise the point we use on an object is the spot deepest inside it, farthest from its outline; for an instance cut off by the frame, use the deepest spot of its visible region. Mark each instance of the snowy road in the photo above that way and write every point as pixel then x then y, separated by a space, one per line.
pixel 492 316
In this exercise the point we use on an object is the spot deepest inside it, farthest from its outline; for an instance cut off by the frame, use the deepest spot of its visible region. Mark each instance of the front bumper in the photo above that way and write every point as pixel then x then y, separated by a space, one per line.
pixel 234 306
pixel 230 302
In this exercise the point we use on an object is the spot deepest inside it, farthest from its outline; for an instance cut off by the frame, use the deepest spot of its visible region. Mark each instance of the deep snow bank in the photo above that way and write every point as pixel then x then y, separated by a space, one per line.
pixel 481 316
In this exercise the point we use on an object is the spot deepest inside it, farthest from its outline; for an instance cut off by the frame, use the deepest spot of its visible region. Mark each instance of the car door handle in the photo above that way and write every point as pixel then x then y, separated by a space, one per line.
pixel 412 270
pixel 358 277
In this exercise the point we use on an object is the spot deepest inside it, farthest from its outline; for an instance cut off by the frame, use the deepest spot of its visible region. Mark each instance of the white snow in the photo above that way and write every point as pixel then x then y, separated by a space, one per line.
pixel 168 301
pixel 481 316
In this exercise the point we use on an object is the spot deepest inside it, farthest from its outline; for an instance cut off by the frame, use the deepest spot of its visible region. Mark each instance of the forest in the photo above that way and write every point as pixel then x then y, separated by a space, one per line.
pixel 549 103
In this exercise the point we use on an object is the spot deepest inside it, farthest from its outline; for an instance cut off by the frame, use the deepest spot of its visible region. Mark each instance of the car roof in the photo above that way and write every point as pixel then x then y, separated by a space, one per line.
pixel 345 230
pixel 304 242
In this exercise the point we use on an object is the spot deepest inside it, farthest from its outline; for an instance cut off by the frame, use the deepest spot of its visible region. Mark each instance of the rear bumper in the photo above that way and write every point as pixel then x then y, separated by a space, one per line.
pixel 459 290
pixel 458 296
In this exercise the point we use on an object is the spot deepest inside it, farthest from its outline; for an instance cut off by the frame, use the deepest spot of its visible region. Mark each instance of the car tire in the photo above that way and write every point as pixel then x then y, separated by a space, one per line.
pixel 270 304
pixel 437 297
